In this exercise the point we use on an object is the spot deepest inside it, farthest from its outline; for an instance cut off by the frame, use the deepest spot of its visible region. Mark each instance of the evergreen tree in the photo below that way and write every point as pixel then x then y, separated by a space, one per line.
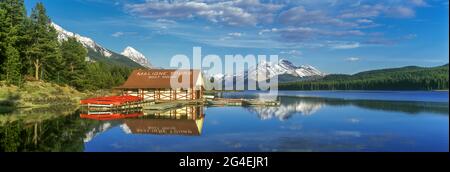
pixel 73 55
pixel 3 36
pixel 43 52
pixel 12 66
pixel 12 17
pixel 15 10
pixel 30 46
pixel 408 78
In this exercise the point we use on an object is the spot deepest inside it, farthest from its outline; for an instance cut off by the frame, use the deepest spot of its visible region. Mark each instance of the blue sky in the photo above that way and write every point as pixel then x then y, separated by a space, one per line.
pixel 335 36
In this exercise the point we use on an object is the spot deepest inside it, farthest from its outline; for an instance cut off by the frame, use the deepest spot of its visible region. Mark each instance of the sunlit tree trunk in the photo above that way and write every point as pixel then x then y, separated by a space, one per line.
pixel 37 65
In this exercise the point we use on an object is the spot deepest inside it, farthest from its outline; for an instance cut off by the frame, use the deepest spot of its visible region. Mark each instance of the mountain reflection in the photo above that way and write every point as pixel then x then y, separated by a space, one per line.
pixel 307 106
pixel 286 111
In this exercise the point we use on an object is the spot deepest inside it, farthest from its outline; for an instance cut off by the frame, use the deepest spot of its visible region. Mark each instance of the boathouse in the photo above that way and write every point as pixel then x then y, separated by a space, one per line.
pixel 164 85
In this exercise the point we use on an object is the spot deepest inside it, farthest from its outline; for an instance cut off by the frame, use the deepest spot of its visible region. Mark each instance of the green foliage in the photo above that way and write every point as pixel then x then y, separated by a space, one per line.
pixel 44 52
pixel 12 17
pixel 74 65
pixel 102 76
pixel 29 46
pixel 407 78
pixel 12 66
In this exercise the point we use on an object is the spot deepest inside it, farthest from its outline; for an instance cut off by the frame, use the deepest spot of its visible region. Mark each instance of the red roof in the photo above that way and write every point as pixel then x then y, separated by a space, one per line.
pixel 161 78
pixel 113 100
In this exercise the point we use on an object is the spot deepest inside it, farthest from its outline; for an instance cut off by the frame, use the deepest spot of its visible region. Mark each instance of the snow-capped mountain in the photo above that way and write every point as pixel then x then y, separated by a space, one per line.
pixel 136 56
pixel 95 51
pixel 284 69
pixel 87 42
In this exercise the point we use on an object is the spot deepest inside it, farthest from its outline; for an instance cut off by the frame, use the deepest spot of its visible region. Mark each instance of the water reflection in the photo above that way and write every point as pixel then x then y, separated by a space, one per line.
pixel 307 106
pixel 50 129
pixel 300 124
pixel 186 121
pixel 108 116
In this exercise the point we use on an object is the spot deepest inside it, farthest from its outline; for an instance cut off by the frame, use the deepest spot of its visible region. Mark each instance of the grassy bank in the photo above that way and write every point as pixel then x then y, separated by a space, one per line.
pixel 40 94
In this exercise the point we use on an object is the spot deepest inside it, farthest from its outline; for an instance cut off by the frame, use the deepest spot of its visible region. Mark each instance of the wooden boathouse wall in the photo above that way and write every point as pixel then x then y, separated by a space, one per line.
pixel 155 85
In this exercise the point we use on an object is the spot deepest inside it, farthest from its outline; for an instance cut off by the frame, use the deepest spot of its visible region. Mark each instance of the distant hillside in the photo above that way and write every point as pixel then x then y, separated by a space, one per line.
pixel 114 59
pixel 405 78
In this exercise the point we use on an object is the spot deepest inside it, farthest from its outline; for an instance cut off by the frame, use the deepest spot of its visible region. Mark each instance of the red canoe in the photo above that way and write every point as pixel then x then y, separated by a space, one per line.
pixel 112 100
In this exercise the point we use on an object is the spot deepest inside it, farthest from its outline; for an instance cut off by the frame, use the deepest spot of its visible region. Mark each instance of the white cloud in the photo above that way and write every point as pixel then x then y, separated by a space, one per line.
pixel 400 12
pixel 235 34
pixel 364 21
pixel 352 59
pixel 121 34
pixel 292 52
pixel 117 34
pixel 419 3
pixel 240 12
pixel 329 23
pixel 302 34
pixel 300 16
pixel 166 21
pixel 344 45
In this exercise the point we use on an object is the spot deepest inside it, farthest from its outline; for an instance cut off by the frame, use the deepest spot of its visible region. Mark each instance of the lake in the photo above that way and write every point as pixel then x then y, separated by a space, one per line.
pixel 306 121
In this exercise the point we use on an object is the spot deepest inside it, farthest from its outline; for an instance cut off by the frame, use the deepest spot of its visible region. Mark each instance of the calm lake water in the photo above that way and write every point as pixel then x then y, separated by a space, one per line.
pixel 305 121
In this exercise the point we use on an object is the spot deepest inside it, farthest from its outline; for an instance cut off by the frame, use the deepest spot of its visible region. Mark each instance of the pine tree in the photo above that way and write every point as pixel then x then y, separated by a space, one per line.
pixel 3 36
pixel 43 52
pixel 12 66
pixel 12 17
pixel 73 55
pixel 15 10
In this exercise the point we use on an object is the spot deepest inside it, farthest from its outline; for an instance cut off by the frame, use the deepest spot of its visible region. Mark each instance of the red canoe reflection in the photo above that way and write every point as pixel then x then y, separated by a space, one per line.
pixel 110 116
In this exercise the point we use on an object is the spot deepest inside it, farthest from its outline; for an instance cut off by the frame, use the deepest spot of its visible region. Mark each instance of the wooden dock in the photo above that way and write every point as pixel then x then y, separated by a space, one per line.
pixel 164 105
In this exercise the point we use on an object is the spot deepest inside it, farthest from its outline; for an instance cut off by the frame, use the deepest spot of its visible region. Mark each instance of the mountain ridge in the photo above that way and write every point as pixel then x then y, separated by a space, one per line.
pixel 96 52
pixel 403 78
pixel 284 69
pixel 136 56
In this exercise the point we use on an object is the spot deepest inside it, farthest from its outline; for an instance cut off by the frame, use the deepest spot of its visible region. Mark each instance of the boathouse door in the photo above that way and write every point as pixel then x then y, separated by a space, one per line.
pixel 197 94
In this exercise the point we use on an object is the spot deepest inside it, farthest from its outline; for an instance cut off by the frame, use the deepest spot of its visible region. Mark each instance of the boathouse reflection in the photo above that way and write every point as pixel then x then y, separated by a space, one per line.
pixel 186 121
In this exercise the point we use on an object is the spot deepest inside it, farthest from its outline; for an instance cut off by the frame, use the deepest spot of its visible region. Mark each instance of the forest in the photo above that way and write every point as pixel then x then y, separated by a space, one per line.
pixel 406 78
pixel 30 51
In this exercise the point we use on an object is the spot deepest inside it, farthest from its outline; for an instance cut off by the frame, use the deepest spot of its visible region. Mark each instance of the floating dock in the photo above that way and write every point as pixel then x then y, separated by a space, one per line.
pixel 163 105
pixel 117 103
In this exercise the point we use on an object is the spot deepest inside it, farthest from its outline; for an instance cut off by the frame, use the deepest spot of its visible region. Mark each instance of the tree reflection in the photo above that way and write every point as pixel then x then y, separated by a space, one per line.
pixel 59 133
